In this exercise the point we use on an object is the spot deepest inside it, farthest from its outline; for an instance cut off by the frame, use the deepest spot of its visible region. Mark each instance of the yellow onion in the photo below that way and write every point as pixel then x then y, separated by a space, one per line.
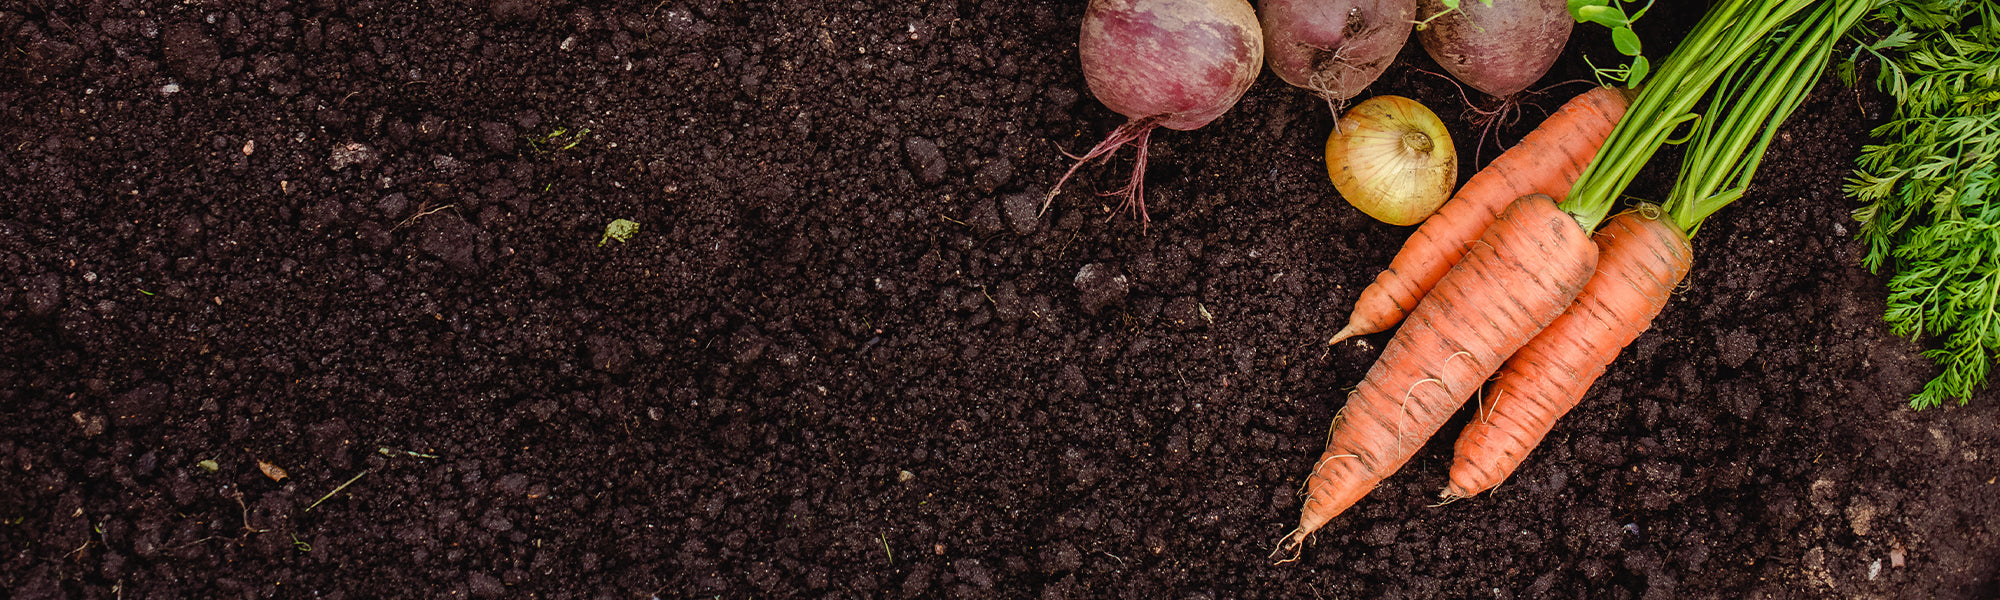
pixel 1393 159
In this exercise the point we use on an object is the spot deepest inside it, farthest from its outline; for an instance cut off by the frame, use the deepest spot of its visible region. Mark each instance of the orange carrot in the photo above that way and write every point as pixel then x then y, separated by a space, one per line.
pixel 1641 258
pixel 1547 162
pixel 1519 276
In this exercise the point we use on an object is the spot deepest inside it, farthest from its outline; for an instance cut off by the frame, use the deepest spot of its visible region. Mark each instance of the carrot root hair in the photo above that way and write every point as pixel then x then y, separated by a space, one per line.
pixel 1290 547
pixel 1352 329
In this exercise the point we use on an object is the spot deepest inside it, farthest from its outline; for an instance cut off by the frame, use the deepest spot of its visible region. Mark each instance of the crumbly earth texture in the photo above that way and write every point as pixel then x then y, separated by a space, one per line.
pixel 844 356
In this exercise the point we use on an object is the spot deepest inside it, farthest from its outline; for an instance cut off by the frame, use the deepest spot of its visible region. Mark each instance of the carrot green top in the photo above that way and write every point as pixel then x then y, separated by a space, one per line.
pixel 1722 40
pixel 1746 110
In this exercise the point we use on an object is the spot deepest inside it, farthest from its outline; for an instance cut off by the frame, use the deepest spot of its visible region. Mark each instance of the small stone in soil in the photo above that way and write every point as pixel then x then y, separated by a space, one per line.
pixel 1023 212
pixel 450 239
pixel 993 175
pixel 1101 286
pixel 350 154
pixel 926 160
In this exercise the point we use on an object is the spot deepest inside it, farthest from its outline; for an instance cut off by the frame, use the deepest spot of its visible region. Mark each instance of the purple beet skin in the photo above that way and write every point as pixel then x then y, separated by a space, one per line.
pixel 1177 64
pixel 1334 48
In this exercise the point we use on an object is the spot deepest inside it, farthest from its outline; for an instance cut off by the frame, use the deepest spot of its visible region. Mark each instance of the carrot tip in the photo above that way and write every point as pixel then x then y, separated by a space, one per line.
pixel 1454 492
pixel 1290 547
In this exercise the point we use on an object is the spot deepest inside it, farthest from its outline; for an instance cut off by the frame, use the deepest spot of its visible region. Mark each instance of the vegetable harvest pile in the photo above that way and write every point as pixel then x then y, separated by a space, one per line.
pixel 1539 304
pixel 1528 282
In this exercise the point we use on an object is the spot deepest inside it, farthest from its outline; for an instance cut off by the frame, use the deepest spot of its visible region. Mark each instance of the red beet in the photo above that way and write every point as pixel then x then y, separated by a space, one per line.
pixel 1499 49
pixel 1334 48
pixel 1177 64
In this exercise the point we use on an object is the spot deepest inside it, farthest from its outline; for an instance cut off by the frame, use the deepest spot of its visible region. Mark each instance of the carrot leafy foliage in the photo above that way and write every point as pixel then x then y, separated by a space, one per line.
pixel 1929 188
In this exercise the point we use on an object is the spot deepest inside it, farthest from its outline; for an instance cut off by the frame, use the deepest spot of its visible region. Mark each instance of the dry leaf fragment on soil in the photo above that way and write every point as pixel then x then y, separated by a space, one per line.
pixel 272 471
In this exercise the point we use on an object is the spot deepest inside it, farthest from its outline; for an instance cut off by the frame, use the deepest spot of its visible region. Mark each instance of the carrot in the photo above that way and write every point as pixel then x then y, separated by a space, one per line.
pixel 1641 257
pixel 1546 162
pixel 1519 276
pixel 1644 255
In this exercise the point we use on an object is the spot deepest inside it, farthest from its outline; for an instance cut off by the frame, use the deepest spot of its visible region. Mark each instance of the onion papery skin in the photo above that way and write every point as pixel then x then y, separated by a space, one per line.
pixel 1392 158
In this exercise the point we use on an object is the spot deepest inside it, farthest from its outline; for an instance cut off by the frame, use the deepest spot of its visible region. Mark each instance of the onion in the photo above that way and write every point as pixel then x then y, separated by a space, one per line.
pixel 1177 64
pixel 1392 158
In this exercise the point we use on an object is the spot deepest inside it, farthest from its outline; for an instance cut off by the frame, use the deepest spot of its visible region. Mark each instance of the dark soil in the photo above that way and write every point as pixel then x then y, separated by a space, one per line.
pixel 842 357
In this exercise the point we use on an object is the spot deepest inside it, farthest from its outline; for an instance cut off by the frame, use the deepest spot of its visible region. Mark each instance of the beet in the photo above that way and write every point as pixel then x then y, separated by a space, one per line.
pixel 1499 49
pixel 1334 48
pixel 1177 64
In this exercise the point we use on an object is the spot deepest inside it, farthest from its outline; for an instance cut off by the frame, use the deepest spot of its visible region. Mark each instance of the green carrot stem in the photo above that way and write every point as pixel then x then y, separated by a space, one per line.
pixel 1746 111
pixel 1718 43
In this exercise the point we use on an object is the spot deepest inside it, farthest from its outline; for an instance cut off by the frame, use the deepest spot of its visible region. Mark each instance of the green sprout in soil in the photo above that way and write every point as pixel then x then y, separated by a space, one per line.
pixel 386 451
pixel 619 230
pixel 557 140
pixel 350 481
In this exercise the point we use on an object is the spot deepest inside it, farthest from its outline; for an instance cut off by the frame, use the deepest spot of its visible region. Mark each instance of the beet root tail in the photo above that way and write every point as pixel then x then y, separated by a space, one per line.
pixel 1135 132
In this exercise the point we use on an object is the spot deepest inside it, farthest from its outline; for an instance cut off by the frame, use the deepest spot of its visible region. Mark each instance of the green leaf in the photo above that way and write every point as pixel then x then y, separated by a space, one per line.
pixel 1603 15
pixel 1637 72
pixel 1574 5
pixel 619 230
pixel 1626 41
pixel 1897 39
pixel 1449 4
pixel 1930 190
